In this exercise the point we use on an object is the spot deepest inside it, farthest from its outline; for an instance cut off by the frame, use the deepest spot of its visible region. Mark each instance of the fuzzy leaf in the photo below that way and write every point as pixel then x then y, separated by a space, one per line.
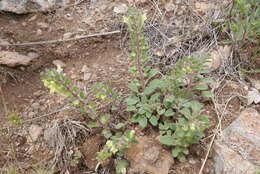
pixel 167 140
pixel 142 122
pixel 154 120
pixel 169 113
pixel 133 86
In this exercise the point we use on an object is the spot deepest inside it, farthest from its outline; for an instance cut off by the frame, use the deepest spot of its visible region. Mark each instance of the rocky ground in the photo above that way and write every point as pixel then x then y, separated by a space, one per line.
pixel 29 114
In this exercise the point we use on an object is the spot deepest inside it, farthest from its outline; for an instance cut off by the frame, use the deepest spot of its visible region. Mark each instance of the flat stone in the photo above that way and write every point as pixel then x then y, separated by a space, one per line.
pixel 239 144
pixel 121 9
pixel 13 59
pixel 87 76
pixel 29 6
pixel 149 156
pixel 35 131
pixel 59 63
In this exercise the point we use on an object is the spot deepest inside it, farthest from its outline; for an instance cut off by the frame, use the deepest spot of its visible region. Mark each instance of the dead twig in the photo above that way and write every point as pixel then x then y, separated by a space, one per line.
pixel 61 40
pixel 215 134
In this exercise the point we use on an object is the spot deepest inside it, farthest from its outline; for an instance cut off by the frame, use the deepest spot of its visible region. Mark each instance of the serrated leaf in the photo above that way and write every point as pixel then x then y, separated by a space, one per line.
pixel 207 94
pixel 106 133
pixel 196 106
pixel 153 72
pixel 186 112
pixel 167 140
pixel 169 113
pixel 131 108
pixel 142 121
pixel 161 111
pixel 104 119
pixel 82 95
pixel 132 100
pixel 119 125
pixel 133 86
pixel 181 158
pixel 92 125
pixel 175 152
pixel 154 120
pixel 202 87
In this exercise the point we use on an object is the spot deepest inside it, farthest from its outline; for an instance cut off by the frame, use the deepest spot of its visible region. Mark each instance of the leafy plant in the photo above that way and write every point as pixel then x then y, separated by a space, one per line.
pixel 116 145
pixel 58 83
pixel 14 119
pixel 12 170
pixel 168 102
pixel 245 20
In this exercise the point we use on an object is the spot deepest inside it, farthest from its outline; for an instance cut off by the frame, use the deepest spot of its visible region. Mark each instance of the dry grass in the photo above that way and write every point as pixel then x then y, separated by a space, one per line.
pixel 61 137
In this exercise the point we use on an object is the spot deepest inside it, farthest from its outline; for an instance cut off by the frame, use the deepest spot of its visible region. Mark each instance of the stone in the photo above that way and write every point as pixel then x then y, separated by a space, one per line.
pixel 239 144
pixel 13 59
pixel 35 106
pixel 59 63
pixel 67 35
pixel 39 32
pixel 148 156
pixel 85 69
pixel 43 25
pixel 29 6
pixel 87 76
pixel 170 6
pixel 35 131
pixel 121 9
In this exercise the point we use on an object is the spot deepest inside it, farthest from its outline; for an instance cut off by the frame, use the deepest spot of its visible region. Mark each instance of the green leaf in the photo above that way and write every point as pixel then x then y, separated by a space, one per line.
pixel 142 121
pixel 202 87
pixel 196 106
pixel 105 118
pixel 154 120
pixel 82 95
pixel 175 152
pixel 121 166
pixel 131 108
pixel 167 140
pixel 92 125
pixel 153 72
pixel 131 100
pixel 207 94
pixel 169 113
pixel 106 133
pixel 149 90
pixel 181 158
pixel 119 125
pixel 186 112
pixel 161 111
pixel 155 97
pixel 133 86
pixel 153 85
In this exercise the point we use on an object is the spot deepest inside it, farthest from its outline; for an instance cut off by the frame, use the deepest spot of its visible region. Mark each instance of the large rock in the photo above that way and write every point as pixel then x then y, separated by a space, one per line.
pixel 237 149
pixel 149 156
pixel 13 59
pixel 28 6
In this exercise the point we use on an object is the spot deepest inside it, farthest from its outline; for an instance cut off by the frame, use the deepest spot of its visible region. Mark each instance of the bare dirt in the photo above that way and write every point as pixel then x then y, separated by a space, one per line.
pixel 23 92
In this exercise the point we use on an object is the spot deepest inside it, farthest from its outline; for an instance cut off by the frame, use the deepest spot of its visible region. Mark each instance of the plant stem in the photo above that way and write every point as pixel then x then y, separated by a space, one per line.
pixel 138 61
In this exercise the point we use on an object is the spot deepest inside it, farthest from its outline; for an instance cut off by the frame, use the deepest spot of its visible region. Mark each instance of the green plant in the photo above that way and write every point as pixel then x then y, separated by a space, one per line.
pixel 12 170
pixel 244 21
pixel 116 145
pixel 14 119
pixel 58 83
pixel 168 102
